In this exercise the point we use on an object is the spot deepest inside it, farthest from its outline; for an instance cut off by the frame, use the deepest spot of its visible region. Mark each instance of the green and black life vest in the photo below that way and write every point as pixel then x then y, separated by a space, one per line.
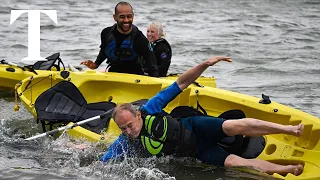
pixel 164 135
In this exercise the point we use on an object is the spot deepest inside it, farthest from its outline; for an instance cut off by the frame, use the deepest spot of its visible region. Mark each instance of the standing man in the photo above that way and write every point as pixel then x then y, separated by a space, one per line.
pixel 124 46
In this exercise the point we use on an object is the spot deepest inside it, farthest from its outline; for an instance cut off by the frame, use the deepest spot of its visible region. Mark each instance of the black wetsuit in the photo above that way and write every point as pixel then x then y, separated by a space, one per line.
pixel 162 51
pixel 120 59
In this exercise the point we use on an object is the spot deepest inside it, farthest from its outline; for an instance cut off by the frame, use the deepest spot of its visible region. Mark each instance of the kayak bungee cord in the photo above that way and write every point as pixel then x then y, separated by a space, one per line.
pixel 16 106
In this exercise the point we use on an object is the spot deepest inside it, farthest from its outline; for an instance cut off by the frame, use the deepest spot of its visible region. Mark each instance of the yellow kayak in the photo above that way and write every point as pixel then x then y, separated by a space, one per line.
pixel 10 75
pixel 120 88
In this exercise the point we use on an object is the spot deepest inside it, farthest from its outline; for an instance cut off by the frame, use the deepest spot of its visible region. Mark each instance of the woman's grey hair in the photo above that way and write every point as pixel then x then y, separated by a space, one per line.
pixel 126 106
pixel 159 27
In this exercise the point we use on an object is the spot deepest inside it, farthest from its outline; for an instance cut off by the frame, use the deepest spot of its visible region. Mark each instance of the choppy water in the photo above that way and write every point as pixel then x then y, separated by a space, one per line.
pixel 275 46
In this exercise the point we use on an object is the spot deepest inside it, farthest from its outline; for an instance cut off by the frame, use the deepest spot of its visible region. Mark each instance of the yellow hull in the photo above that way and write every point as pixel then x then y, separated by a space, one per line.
pixel 11 75
pixel 120 88
pixel 9 78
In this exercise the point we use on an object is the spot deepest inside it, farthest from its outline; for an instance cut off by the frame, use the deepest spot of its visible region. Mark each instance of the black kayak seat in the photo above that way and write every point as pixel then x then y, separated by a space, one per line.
pixel 52 61
pixel 64 103
pixel 232 144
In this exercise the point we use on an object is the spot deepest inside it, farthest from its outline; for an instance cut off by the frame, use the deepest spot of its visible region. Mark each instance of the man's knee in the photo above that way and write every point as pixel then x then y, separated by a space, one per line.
pixel 235 127
pixel 230 128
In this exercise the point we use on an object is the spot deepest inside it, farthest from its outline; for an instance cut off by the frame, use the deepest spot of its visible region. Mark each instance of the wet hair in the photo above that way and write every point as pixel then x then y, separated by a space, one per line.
pixel 159 27
pixel 126 106
pixel 122 3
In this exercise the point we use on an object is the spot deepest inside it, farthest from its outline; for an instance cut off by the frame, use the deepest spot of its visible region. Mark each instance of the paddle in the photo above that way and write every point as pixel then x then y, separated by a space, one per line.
pixel 104 115
pixel 16 65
